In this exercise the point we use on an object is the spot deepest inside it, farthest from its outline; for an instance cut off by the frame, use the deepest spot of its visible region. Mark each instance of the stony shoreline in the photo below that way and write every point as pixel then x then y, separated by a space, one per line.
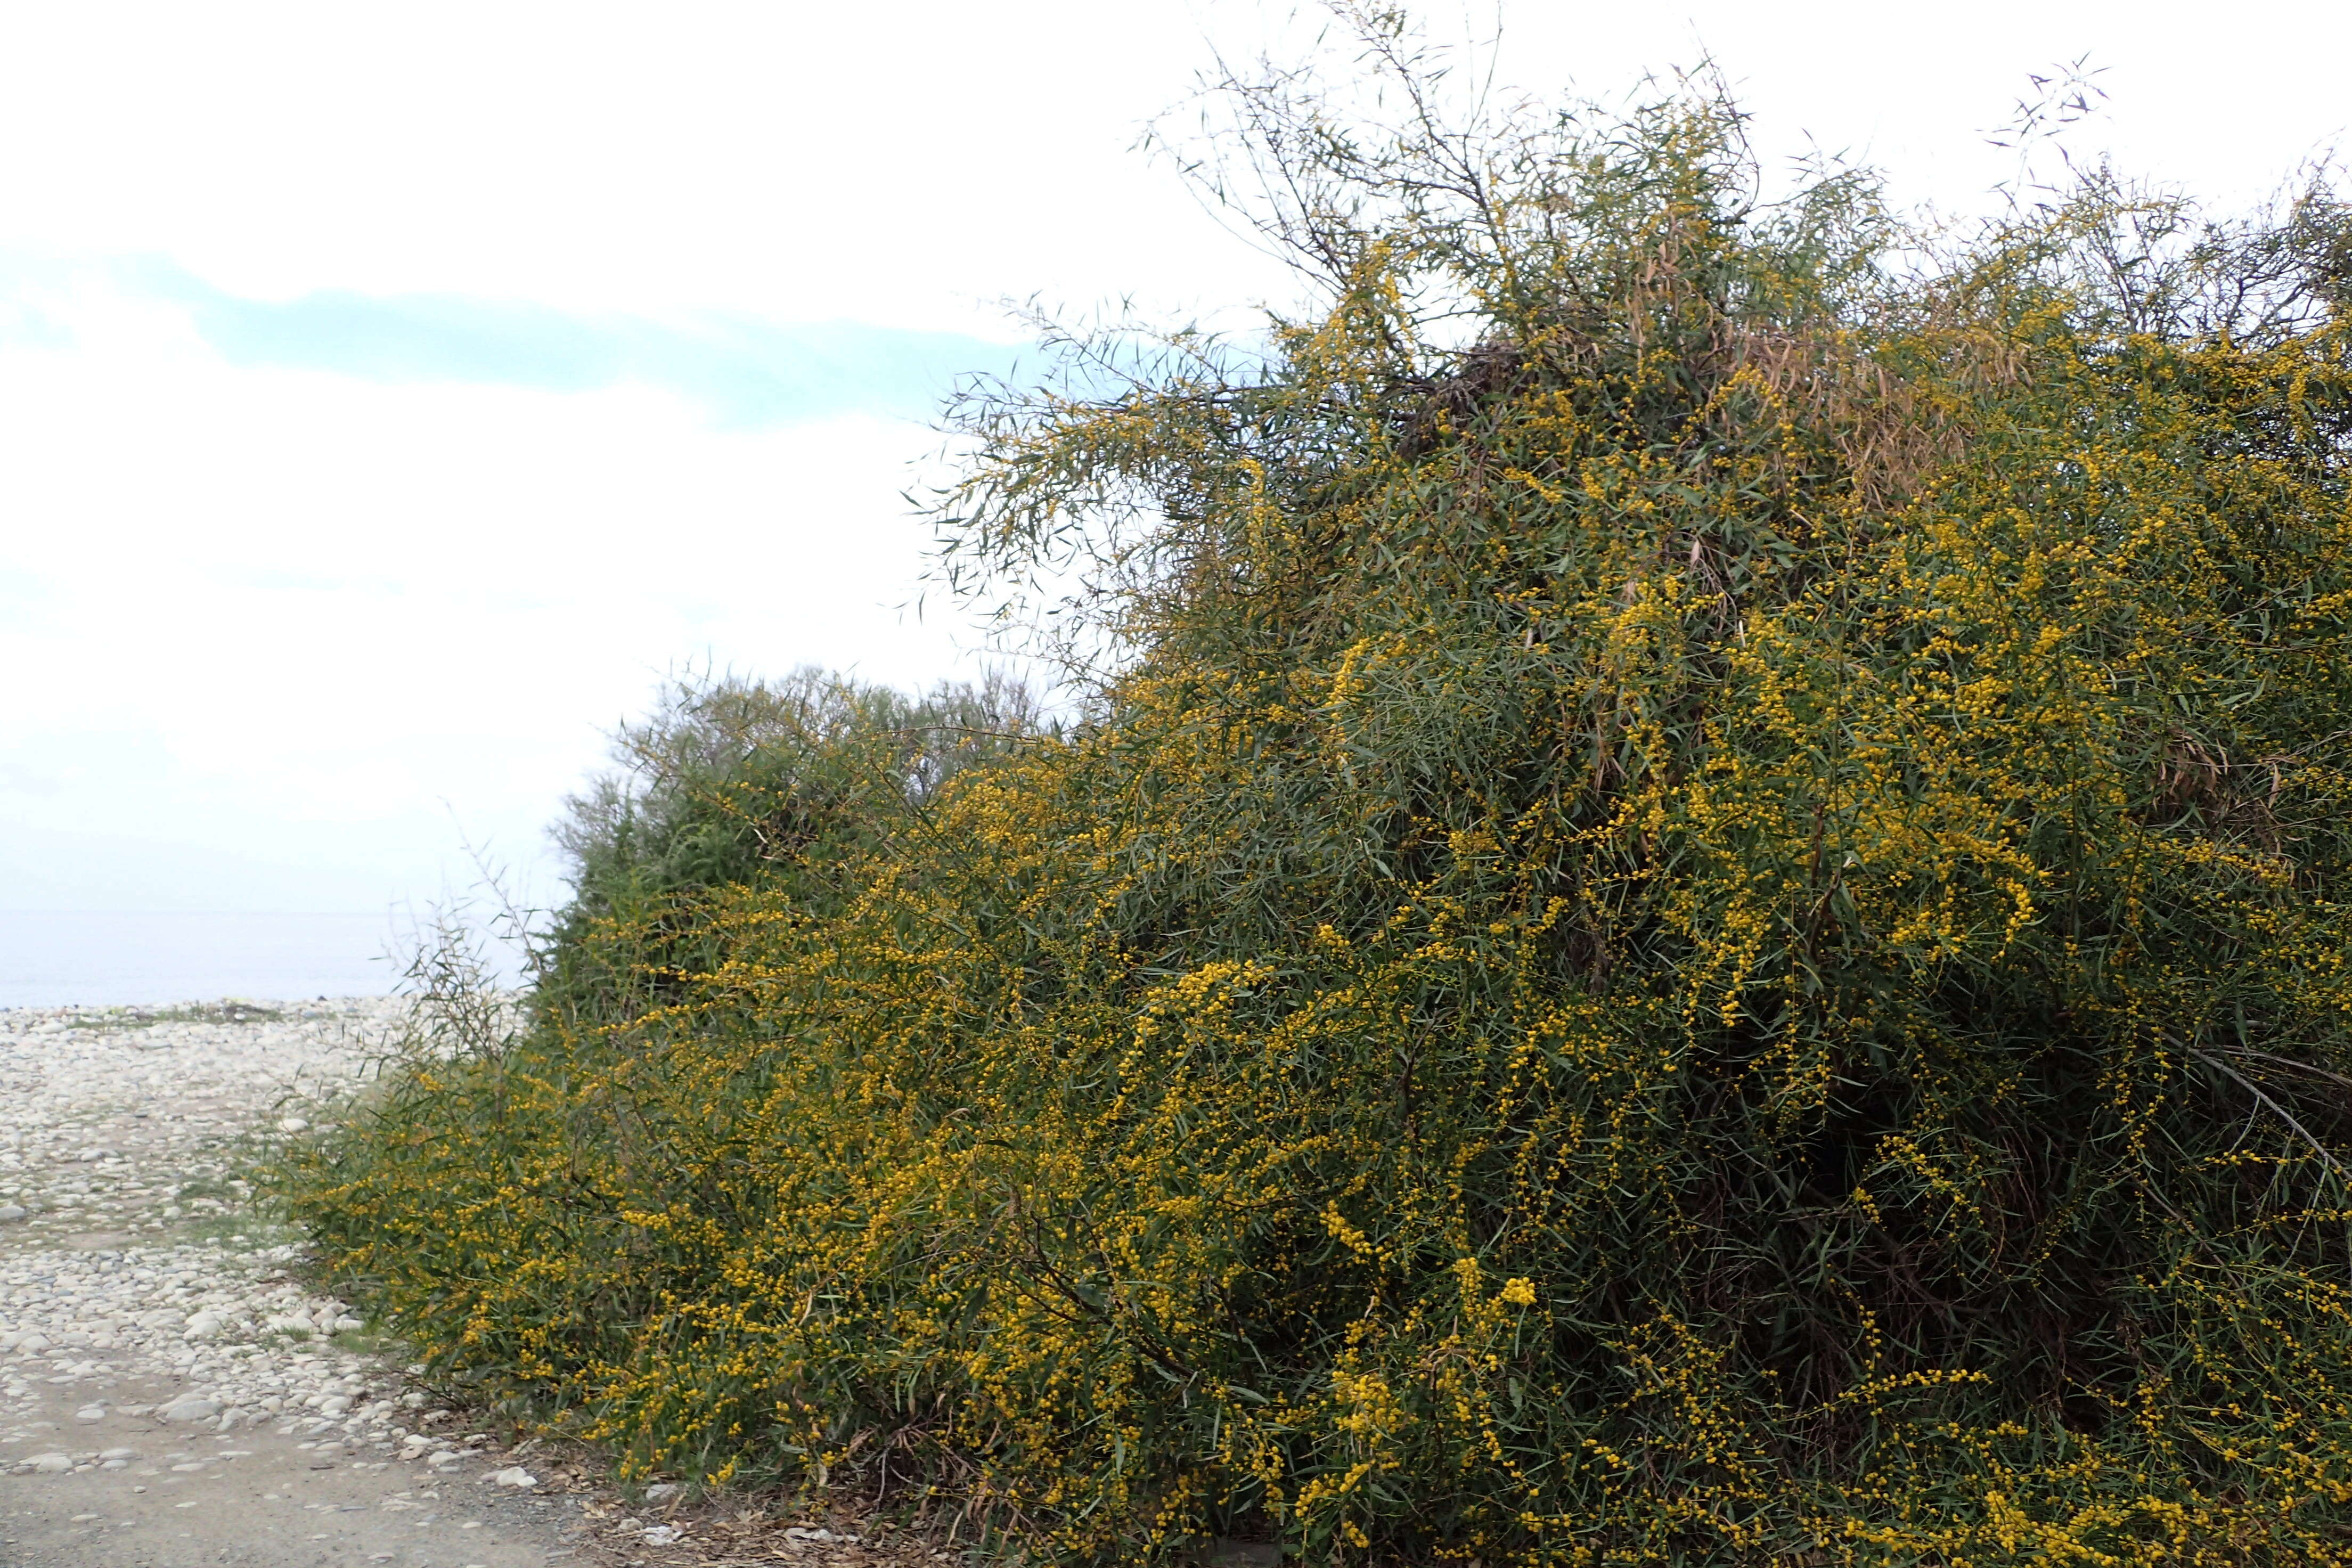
pixel 171 1391
pixel 127 1252
pixel 155 1340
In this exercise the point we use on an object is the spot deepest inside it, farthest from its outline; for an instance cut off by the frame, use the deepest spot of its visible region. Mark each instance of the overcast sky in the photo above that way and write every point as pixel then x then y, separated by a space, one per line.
pixel 391 395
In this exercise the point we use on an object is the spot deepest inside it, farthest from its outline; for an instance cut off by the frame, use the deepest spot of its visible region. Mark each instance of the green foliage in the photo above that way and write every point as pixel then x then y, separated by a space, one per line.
pixel 739 780
pixel 228 1012
pixel 1700 923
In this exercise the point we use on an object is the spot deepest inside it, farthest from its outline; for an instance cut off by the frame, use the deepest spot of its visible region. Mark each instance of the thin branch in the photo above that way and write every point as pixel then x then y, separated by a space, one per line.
pixel 2276 1110
pixel 2245 1054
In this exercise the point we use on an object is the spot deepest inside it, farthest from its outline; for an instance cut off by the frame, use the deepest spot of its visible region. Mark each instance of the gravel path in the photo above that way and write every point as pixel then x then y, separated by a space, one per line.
pixel 170 1393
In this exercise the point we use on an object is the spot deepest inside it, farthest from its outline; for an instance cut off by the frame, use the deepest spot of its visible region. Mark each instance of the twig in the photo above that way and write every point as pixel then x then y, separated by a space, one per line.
pixel 2277 1110
pixel 2244 1055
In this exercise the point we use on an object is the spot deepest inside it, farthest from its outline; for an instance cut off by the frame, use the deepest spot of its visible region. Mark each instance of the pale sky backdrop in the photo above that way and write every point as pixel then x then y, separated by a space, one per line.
pixel 390 394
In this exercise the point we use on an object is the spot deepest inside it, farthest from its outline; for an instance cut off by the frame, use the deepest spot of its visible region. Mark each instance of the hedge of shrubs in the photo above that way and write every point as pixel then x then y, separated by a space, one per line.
pixel 1693 917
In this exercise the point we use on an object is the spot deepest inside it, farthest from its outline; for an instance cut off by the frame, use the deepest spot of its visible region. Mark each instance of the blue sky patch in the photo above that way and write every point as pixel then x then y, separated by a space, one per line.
pixel 747 373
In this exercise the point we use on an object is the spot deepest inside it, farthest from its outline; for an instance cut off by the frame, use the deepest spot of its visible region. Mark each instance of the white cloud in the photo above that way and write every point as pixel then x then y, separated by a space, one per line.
pixel 886 163
pixel 312 599
pixel 272 618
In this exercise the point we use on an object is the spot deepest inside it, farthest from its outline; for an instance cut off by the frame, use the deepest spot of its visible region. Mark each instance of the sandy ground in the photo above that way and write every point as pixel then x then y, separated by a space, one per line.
pixel 172 1395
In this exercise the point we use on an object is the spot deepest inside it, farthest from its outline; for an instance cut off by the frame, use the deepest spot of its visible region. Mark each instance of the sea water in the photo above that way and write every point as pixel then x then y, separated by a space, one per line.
pixel 51 959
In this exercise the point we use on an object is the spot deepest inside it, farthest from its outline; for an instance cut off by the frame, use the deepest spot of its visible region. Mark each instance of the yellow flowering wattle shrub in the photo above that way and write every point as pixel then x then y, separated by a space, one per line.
pixel 1699 923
